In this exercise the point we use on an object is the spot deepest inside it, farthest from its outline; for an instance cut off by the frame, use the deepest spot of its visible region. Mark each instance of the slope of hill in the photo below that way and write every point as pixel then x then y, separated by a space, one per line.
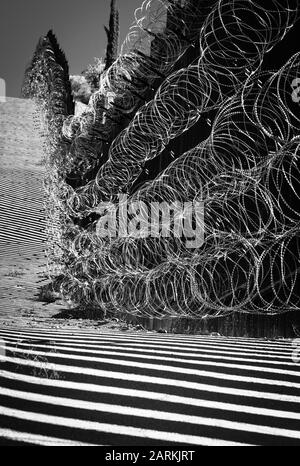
pixel 22 258
pixel 21 208
pixel 21 152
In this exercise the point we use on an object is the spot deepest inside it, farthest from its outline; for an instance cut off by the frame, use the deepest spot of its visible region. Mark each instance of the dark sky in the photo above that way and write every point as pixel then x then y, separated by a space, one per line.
pixel 78 25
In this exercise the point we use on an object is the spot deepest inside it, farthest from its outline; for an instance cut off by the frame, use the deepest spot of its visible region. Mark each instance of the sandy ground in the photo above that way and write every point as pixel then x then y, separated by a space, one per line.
pixel 22 260
pixel 20 305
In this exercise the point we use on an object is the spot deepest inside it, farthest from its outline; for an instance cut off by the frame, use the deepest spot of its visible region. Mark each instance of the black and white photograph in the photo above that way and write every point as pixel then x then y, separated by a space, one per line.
pixel 149 226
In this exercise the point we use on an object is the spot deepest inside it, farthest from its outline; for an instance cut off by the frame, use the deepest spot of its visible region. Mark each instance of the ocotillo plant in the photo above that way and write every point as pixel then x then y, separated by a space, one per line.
pixel 112 35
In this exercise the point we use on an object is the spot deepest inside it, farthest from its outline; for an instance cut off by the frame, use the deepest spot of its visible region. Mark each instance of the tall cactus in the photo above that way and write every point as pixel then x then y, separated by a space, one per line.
pixel 61 60
pixel 26 90
pixel 47 82
pixel 38 83
pixel 112 35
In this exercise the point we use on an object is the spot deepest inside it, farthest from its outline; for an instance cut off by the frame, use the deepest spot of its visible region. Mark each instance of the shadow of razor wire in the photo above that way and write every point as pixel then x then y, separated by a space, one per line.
pixel 20 358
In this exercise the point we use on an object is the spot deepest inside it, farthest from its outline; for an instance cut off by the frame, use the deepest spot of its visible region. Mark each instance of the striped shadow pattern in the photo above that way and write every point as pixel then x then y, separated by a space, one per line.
pixel 21 189
pixel 22 222
pixel 73 386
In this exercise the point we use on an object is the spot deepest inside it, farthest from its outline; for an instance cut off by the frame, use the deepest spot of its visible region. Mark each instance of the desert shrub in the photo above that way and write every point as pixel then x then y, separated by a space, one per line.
pixel 81 89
